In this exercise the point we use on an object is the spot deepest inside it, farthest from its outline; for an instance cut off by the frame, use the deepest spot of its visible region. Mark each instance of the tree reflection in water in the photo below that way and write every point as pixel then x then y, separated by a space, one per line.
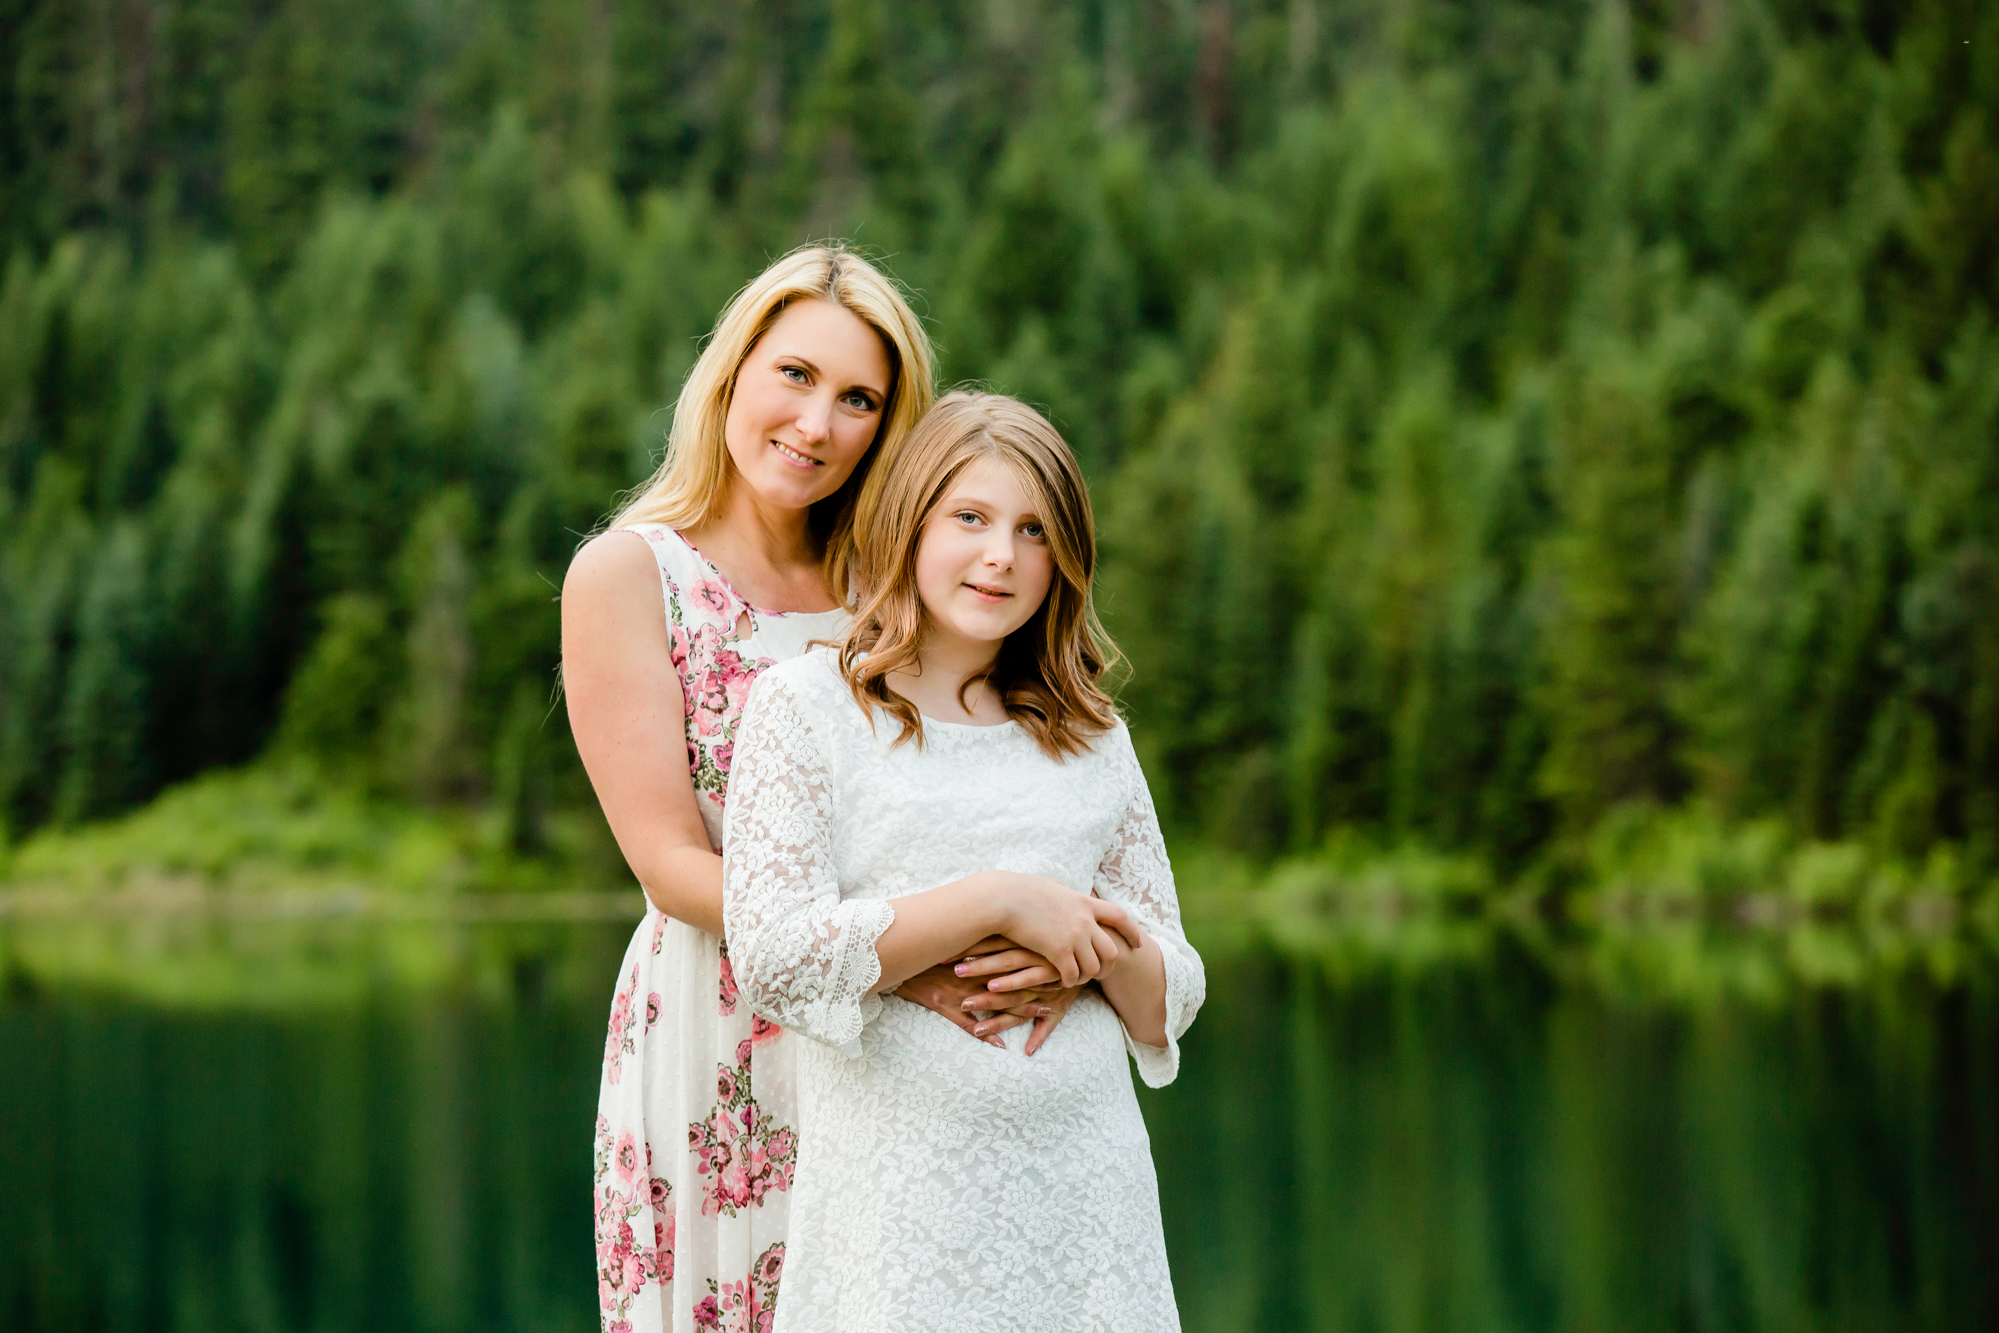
pixel 1485 1136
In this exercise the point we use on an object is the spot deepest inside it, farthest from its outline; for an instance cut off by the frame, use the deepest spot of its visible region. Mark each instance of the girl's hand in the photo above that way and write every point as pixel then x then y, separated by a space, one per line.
pixel 1077 934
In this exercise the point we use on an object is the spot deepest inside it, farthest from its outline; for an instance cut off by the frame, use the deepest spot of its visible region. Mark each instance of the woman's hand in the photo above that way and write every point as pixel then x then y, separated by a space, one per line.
pixel 943 991
pixel 997 986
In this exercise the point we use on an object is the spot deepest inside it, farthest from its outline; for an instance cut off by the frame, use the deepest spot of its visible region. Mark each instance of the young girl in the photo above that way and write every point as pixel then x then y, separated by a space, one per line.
pixel 960 726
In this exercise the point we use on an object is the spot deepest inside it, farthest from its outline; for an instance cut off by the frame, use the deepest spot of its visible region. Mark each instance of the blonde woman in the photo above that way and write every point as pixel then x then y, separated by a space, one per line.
pixel 743 539
pixel 953 772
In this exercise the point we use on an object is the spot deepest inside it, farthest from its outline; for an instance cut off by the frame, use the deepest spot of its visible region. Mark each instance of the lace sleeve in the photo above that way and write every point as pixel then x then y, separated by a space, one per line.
pixel 1136 875
pixel 803 958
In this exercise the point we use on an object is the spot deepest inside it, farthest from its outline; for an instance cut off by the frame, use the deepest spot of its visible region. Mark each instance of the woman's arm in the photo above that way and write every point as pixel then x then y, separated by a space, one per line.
pixel 627 713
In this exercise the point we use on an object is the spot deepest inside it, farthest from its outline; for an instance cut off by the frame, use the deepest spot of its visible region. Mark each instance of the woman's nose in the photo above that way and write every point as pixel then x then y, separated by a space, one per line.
pixel 815 421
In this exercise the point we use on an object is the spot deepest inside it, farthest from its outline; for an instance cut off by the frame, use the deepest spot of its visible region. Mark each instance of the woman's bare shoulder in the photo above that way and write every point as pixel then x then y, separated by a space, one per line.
pixel 612 565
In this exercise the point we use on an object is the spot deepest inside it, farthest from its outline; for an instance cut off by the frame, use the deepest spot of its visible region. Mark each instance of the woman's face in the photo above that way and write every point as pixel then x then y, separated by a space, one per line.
pixel 808 402
pixel 983 567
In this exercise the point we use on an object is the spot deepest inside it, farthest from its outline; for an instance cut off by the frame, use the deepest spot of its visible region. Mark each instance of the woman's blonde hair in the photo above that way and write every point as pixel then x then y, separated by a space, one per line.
pixel 688 488
pixel 1048 671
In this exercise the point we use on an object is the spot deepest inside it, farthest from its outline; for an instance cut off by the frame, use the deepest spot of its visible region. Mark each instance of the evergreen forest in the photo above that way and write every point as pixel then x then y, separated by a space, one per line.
pixel 1531 431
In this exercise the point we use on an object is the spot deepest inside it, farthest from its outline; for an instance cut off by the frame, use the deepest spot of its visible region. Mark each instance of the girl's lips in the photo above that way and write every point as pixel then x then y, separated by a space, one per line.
pixel 793 457
pixel 989 594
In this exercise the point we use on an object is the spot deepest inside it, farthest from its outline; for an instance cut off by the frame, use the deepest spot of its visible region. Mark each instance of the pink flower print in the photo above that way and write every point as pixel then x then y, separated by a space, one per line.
pixel 626 1157
pixel 762 1031
pixel 677 647
pixel 621 1271
pixel 662 1239
pixel 618 1035
pixel 658 1191
pixel 724 755
pixel 735 1182
pixel 713 597
pixel 743 1051
pixel 737 680
pixel 780 1148
pixel 726 999
pixel 714 698
pixel 771 1267
pixel 725 1085
pixel 621 1017
pixel 652 1010
pixel 707 1313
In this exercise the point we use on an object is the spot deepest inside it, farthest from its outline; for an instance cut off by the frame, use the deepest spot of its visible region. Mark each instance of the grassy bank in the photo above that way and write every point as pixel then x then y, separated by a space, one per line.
pixel 274 883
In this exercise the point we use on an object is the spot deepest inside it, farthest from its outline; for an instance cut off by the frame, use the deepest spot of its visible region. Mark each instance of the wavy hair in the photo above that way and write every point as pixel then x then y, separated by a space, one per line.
pixel 688 488
pixel 1049 671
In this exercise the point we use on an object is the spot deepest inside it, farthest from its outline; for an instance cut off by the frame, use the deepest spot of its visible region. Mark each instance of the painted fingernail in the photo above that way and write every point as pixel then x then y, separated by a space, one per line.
pixel 960 969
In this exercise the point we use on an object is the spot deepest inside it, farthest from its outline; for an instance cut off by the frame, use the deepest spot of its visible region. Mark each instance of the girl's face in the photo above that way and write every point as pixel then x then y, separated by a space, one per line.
pixel 808 402
pixel 982 566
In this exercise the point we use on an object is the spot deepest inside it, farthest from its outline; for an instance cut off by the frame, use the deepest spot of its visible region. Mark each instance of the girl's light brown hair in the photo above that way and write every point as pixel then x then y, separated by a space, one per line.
pixel 688 488
pixel 1049 671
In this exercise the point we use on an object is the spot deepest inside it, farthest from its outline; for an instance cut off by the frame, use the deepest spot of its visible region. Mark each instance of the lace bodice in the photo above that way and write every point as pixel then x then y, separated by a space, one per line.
pixel 833 822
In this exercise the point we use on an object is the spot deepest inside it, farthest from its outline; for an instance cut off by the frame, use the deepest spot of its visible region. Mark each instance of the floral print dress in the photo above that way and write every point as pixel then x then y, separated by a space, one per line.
pixel 697 1109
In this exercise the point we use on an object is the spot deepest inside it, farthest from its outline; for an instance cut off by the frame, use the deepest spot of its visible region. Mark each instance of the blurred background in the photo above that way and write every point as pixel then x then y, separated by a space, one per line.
pixel 1547 461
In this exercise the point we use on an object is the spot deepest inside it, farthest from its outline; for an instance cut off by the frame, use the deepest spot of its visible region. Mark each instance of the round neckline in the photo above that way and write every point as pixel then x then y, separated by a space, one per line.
pixel 930 721
pixel 730 588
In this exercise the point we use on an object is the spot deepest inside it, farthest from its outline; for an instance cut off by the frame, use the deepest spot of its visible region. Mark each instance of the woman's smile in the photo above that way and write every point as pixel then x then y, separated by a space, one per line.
pixel 795 458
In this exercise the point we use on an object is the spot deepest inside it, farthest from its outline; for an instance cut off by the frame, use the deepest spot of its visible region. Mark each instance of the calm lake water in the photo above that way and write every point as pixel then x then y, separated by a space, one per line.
pixel 318 1125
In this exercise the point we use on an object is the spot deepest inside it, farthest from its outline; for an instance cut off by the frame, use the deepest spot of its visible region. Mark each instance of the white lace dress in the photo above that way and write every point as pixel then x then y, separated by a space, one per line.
pixel 696 1110
pixel 945 1184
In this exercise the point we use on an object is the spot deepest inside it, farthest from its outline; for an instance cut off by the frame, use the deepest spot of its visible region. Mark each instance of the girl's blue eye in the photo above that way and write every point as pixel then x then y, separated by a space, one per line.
pixel 1033 530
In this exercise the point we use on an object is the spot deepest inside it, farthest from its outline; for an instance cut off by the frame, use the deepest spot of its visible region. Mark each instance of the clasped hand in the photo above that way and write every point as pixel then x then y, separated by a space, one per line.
pixel 1000 983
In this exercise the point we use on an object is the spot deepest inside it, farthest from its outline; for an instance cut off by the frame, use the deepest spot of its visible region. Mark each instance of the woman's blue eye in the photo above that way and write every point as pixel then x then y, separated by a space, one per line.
pixel 860 402
pixel 793 373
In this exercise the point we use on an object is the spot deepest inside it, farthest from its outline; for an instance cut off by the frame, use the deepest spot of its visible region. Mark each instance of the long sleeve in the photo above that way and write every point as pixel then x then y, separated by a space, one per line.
pixel 803 958
pixel 1136 875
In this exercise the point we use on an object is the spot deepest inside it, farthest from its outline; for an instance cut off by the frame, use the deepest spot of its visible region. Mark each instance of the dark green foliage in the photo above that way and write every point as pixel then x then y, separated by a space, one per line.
pixel 1502 416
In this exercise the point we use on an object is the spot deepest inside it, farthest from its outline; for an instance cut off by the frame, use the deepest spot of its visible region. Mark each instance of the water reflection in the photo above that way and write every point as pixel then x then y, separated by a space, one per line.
pixel 315 1125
